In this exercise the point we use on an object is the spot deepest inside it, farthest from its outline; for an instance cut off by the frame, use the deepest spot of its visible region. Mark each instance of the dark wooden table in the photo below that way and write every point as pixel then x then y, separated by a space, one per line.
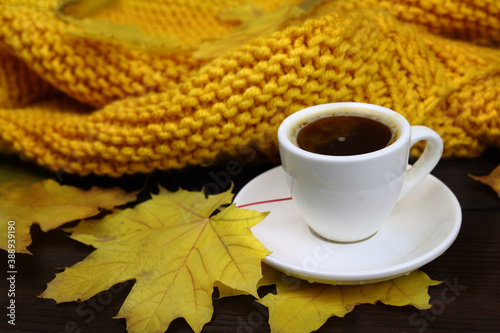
pixel 470 269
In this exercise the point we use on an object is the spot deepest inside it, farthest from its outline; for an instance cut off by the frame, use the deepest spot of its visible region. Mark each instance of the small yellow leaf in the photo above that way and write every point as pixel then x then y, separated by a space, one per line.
pixel 493 179
pixel 26 200
pixel 254 26
pixel 408 290
pixel 175 250
pixel 300 306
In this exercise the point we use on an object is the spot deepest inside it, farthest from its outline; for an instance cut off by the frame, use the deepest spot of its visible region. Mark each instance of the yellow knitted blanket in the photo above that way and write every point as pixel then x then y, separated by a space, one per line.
pixel 126 86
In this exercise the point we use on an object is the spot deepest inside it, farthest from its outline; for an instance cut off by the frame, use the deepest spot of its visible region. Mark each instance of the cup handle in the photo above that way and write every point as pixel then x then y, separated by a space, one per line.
pixel 427 161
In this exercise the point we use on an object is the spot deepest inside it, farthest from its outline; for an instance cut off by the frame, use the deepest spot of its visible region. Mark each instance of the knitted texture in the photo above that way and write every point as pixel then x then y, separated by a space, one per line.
pixel 87 94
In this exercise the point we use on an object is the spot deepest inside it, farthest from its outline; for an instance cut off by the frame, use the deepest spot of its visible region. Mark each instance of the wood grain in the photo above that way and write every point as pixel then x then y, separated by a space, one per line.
pixel 467 301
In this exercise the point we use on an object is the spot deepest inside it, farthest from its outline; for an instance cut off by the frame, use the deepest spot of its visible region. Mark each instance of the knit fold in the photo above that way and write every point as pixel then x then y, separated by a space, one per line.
pixel 78 97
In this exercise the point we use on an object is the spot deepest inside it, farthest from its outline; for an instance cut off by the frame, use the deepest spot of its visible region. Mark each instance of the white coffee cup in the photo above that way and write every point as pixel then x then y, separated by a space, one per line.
pixel 348 198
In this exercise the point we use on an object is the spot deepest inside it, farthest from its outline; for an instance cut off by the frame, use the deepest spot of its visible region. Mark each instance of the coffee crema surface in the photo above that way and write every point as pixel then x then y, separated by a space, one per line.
pixel 344 135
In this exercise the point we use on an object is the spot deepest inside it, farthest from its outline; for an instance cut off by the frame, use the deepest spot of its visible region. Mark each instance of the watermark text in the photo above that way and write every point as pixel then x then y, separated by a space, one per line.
pixel 11 272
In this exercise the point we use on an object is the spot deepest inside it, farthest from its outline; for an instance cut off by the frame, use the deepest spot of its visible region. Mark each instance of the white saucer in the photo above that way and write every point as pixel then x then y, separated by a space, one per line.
pixel 421 227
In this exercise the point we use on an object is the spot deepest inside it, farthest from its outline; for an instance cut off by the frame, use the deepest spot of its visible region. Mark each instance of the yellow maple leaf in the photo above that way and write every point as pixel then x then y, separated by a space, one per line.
pixel 175 250
pixel 493 179
pixel 300 306
pixel 26 200
pixel 79 14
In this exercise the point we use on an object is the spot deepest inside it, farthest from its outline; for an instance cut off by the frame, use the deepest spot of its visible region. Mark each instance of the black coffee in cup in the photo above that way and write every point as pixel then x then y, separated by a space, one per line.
pixel 343 135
